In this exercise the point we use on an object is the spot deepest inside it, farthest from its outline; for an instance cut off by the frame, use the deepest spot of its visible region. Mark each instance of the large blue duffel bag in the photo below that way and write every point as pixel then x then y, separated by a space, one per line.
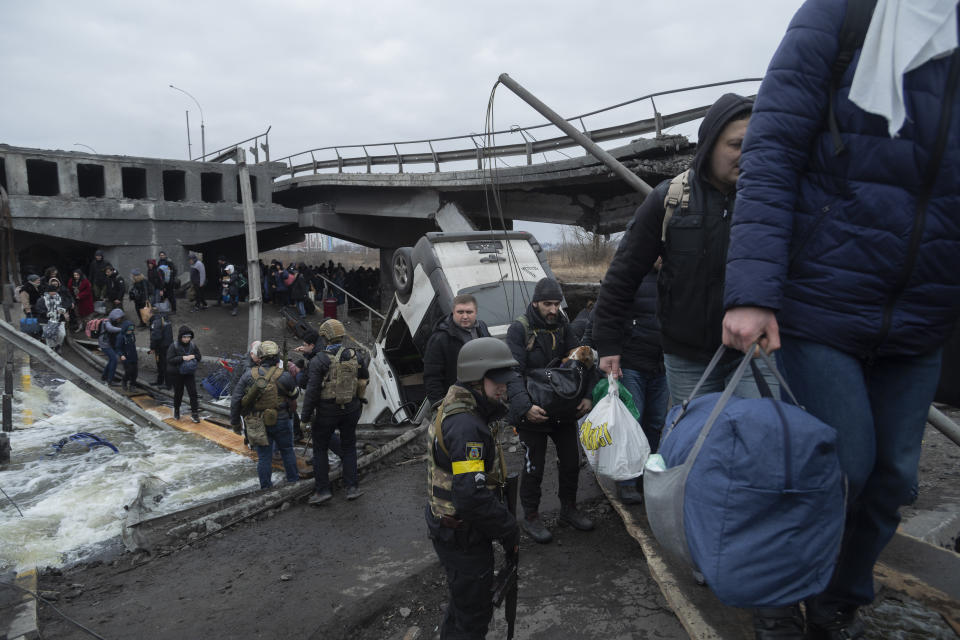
pixel 752 495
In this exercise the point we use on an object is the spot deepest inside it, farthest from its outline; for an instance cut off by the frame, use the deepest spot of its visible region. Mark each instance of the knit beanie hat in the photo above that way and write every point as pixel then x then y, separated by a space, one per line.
pixel 547 289
pixel 116 314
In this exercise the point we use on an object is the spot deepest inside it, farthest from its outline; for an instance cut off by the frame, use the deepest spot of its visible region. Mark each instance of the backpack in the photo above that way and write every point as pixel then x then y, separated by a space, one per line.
pixel 340 383
pixel 262 396
pixel 678 194
pixel 94 327
pixel 157 326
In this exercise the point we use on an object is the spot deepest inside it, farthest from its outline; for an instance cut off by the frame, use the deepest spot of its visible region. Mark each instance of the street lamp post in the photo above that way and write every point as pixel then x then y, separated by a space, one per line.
pixel 203 135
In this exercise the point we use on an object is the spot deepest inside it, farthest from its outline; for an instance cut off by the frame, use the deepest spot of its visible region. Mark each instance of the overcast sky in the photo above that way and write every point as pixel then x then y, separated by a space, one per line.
pixel 337 73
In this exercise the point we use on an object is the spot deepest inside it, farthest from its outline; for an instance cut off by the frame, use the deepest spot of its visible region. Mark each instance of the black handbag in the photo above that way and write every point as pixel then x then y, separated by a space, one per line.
pixel 558 388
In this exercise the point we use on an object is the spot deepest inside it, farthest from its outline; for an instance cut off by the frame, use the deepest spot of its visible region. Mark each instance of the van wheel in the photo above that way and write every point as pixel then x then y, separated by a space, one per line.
pixel 402 272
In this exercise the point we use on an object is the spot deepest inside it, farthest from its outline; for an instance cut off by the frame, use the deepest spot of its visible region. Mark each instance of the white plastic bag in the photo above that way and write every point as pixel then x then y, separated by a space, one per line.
pixel 613 440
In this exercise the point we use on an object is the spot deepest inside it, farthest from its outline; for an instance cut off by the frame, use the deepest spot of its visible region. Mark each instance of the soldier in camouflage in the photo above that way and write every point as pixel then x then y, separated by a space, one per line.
pixel 465 474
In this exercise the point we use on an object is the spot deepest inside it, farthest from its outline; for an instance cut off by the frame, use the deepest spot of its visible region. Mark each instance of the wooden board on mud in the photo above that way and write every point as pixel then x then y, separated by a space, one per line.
pixel 924 572
pixel 215 433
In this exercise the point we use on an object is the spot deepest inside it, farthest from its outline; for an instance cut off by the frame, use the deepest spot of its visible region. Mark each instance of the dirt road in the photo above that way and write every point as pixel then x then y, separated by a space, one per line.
pixel 361 570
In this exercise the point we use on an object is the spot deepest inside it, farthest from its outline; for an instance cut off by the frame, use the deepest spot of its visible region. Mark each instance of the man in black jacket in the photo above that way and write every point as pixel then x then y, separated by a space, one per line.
pixel 329 405
pixel 449 335
pixel 544 335
pixel 114 287
pixel 693 242
pixel 465 471
pixel 97 278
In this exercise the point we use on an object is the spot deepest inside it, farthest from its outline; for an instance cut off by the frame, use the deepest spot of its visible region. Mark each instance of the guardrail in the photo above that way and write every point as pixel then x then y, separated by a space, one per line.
pixel 370 310
pixel 310 161
pixel 227 153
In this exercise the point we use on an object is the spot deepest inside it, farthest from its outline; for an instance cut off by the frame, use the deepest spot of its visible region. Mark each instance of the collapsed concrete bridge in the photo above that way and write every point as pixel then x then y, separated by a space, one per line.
pixel 63 204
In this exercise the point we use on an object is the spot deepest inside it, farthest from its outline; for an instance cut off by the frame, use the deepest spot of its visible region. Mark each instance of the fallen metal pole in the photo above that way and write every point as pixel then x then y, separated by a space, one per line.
pixel 942 422
pixel 612 163
pixel 46 356
pixel 255 302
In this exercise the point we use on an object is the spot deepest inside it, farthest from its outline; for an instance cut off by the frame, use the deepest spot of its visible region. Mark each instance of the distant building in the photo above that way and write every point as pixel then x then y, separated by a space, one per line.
pixel 314 242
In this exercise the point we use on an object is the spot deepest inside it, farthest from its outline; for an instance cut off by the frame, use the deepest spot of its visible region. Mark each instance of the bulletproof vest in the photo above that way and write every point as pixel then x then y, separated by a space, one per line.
pixel 269 397
pixel 340 383
pixel 440 480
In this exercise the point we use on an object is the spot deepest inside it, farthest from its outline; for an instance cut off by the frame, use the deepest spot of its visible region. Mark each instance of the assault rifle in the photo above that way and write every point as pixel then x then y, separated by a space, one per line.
pixel 505 582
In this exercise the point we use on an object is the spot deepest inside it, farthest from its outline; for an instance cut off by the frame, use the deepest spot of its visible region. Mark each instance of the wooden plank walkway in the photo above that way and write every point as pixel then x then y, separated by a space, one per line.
pixel 213 432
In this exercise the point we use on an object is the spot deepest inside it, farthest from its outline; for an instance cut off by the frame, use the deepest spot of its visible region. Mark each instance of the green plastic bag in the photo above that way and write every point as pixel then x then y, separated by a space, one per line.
pixel 600 390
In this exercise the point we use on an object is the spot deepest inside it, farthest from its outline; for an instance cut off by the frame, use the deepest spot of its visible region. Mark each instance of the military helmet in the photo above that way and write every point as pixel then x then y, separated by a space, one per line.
pixel 332 329
pixel 481 355
pixel 267 349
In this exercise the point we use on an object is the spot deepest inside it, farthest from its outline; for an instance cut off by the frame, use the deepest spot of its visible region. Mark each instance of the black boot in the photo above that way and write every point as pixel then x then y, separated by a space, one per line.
pixel 535 529
pixel 195 416
pixel 842 625
pixel 572 516
pixel 778 623
pixel 176 414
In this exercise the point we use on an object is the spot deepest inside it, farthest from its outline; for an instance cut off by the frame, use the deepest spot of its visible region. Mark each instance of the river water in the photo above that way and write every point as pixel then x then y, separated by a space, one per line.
pixel 73 501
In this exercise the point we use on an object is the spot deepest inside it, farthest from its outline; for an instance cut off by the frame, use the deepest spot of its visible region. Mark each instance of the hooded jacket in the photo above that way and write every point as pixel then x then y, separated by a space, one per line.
pixel 690 284
pixel 110 330
pixel 845 247
pixel 177 350
pixel 440 355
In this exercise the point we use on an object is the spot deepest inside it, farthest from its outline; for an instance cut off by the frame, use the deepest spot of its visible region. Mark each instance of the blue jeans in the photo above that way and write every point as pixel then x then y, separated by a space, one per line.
pixel 281 435
pixel 650 395
pixel 301 309
pixel 683 375
pixel 112 358
pixel 879 410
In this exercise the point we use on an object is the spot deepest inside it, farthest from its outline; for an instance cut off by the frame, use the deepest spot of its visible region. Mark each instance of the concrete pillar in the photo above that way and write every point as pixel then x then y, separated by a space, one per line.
pixel 16 175
pixel 67 177
pixel 450 219
pixel 113 181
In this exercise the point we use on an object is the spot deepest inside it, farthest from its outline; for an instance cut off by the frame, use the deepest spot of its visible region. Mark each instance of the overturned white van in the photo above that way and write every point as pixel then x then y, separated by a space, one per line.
pixel 499 268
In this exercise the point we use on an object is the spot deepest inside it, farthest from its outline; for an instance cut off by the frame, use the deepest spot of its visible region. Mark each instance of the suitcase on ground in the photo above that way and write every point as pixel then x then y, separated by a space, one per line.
pixel 329 307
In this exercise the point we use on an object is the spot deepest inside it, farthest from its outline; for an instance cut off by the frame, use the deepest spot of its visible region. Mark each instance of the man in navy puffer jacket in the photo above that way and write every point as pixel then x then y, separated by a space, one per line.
pixel 850 261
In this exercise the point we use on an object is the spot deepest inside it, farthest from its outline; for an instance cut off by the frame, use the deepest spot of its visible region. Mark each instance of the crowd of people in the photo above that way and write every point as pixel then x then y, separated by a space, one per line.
pixel 818 221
